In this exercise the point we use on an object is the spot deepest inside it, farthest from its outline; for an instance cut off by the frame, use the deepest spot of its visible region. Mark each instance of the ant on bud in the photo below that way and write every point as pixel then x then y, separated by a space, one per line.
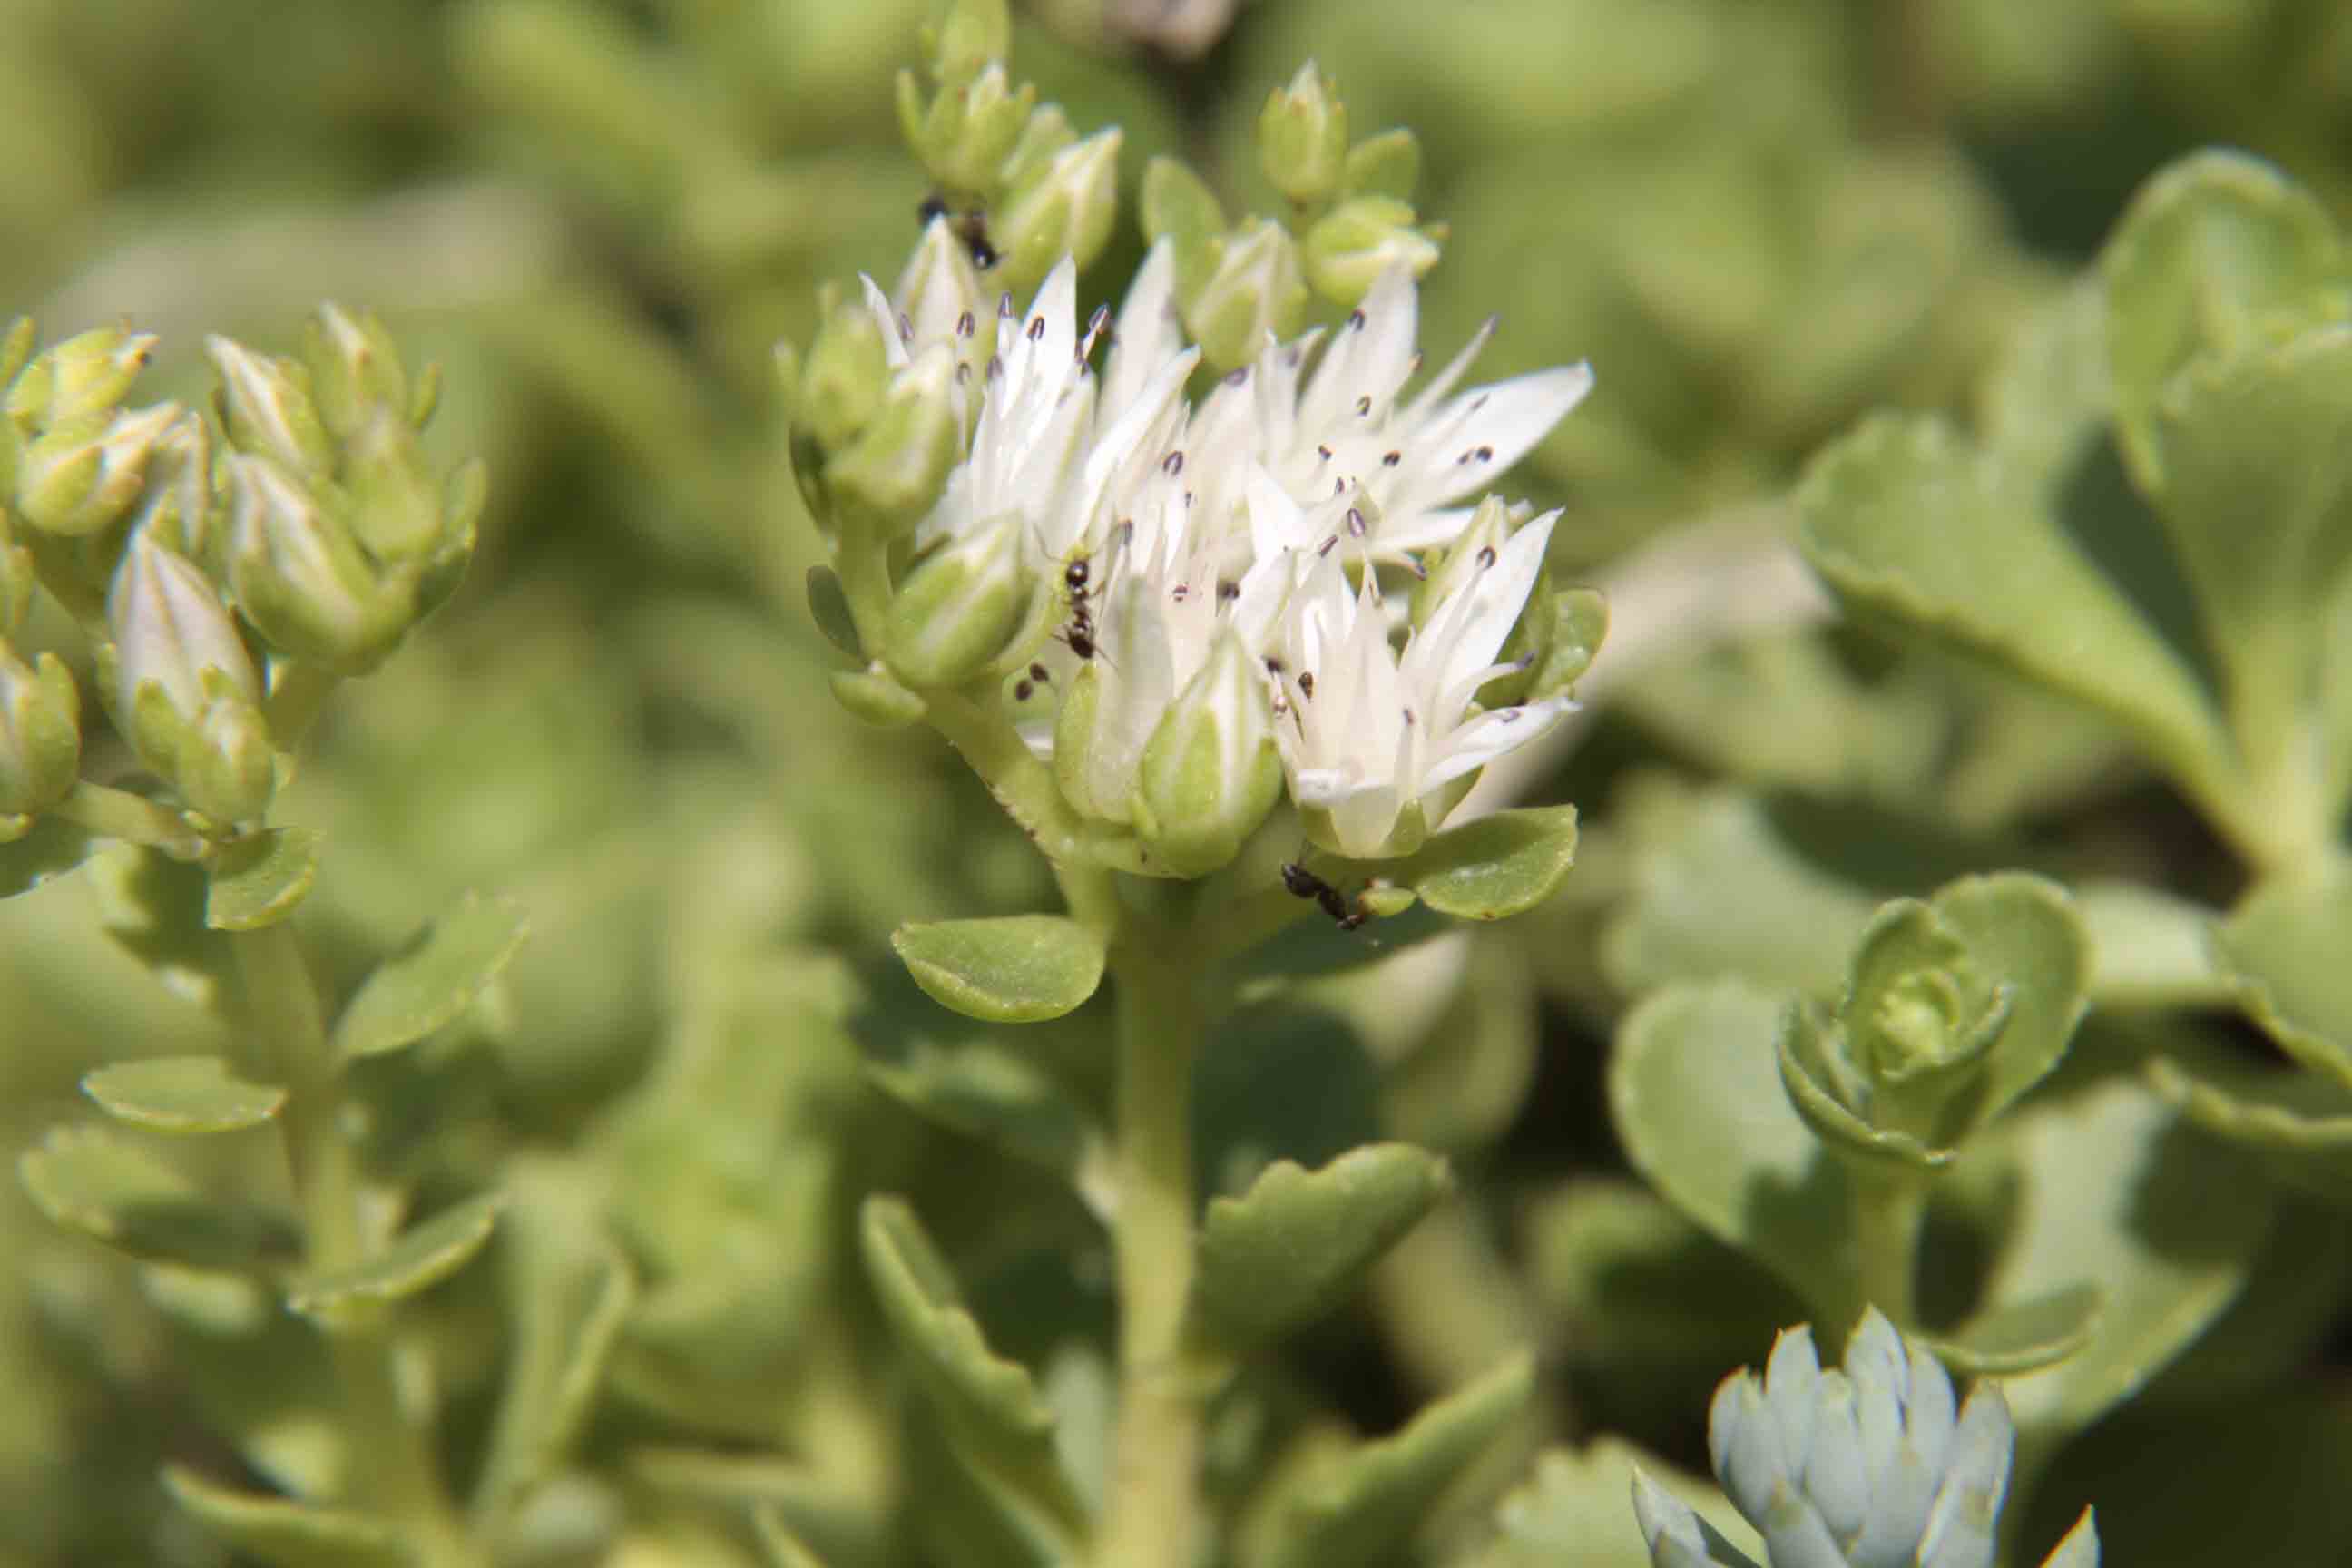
pixel 971 227
pixel 1302 883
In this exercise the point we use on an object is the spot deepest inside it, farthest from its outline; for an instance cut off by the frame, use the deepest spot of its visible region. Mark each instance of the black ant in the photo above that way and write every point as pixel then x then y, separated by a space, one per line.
pixel 971 227
pixel 1076 578
pixel 1302 883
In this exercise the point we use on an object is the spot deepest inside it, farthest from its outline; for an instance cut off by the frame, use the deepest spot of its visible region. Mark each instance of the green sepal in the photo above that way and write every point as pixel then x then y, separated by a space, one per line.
pixel 1388 164
pixel 1565 647
pixel 261 878
pixel 1015 969
pixel 182 1094
pixel 434 978
pixel 1177 205
pixel 1294 1247
pixel 994 1418
pixel 829 607
pixel 286 1533
pixel 1496 867
pixel 962 607
pixel 1361 1507
pixel 419 1259
pixel 120 1193
pixel 875 695
pixel 2211 251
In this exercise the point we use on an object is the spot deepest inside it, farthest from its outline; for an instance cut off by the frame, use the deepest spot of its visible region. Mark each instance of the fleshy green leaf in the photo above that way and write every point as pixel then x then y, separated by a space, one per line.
pixel 1808 1037
pixel 2288 949
pixel 2299 1123
pixel 421 1259
pixel 261 879
pixel 1364 1506
pixel 2022 1336
pixel 182 1094
pixel 994 1095
pixel 1292 1247
pixel 829 607
pixel 1573 1509
pixel 999 1425
pixel 289 1534
pixel 123 1195
pixel 50 847
pixel 2209 249
pixel 571 1288
pixel 1496 867
pixel 2149 949
pixel 1017 969
pixel 875 696
pixel 1697 1100
pixel 435 976
pixel 2022 931
pixel 153 908
pixel 1906 521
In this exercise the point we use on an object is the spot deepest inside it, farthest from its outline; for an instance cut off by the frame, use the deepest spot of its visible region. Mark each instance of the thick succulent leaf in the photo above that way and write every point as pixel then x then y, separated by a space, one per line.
pixel 2149 949
pixel 420 1259
pixel 999 1425
pixel 435 976
pixel 570 1289
pixel 2209 249
pixel 153 908
pixel 2299 1124
pixel 50 847
pixel 829 607
pixel 182 1094
pixel 2115 1194
pixel 261 879
pixel 2021 1336
pixel 1575 1509
pixel 2022 933
pixel 1907 523
pixel 1496 867
pixel 2257 453
pixel 122 1194
pixel 2288 950
pixel 1800 1050
pixel 1291 1248
pixel 990 1094
pixel 2280 1324
pixel 1017 969
pixel 1697 1101
pixel 1717 891
pixel 289 1534
pixel 1364 1507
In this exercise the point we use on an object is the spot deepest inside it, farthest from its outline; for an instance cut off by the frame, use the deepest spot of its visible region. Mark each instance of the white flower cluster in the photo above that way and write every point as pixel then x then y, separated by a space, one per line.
pixel 1231 553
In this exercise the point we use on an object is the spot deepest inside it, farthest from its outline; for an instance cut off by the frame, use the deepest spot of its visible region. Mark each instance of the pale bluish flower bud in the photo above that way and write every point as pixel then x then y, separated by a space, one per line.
pixel 1349 247
pixel 355 370
pixel 266 407
pixel 300 577
pixel 1302 137
pixel 82 475
pixel 890 476
pixel 1211 772
pixel 1254 288
pixel 40 734
pixel 182 685
pixel 1066 210
pixel 961 609
pixel 965 134
pixel 1671 1529
pixel 86 375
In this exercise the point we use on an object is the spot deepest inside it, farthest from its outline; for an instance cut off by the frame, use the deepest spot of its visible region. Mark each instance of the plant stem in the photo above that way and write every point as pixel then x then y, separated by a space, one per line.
pixel 392 1468
pixel 1889 1207
pixel 1151 1517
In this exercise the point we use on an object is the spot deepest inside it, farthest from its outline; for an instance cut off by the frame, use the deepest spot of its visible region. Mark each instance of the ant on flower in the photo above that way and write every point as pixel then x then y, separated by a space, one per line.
pixel 1302 883
pixel 971 227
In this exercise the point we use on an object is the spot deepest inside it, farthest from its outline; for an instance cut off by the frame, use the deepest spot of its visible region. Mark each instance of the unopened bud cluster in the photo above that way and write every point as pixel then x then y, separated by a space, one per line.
pixel 305 524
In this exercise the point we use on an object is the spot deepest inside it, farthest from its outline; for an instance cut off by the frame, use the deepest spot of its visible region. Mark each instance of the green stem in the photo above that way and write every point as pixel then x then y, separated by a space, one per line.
pixel 1889 1207
pixel 1153 1516
pixel 392 1466
pixel 297 694
pixel 132 818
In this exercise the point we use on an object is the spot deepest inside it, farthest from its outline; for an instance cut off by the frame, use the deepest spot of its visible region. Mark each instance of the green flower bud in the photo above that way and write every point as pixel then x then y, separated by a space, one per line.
pixel 87 473
pixel 266 407
pixel 1211 772
pixel 940 290
pixel 84 376
pixel 966 132
pixel 41 733
pixel 355 370
pixel 1302 137
pixel 16 577
pixel 15 348
pixel 1254 288
pixel 1067 210
pixel 890 477
pixel 1363 237
pixel 1177 206
pixel 959 611
pixel 964 42
pixel 1047 136
pixel 396 506
pixel 848 370
pixel 1388 164
pixel 183 688
pixel 177 508
pixel 301 578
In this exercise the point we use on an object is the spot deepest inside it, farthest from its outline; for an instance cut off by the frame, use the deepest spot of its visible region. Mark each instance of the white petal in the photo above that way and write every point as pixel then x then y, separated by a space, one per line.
pixel 877 304
pixel 1502 423
pixel 1148 332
